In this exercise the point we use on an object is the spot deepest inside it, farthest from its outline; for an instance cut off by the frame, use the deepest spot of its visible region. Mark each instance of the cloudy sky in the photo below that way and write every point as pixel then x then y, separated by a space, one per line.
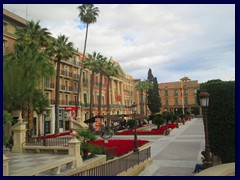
pixel 174 40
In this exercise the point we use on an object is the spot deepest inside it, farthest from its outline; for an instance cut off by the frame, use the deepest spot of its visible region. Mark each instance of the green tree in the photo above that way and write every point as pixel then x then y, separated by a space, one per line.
pixel 61 49
pixel 154 101
pixel 40 103
pixel 88 14
pixel 38 39
pixel 92 64
pixel 23 72
pixel 221 118
pixel 158 120
pixel 143 86
pixel 84 136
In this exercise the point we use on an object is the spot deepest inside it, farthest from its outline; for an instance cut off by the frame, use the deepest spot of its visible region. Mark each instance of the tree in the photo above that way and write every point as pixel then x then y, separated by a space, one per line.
pixel 88 14
pixel 23 71
pixel 154 101
pixel 61 49
pixel 102 67
pixel 111 70
pixel 158 120
pixel 92 64
pixel 37 39
pixel 33 35
pixel 143 86
pixel 40 103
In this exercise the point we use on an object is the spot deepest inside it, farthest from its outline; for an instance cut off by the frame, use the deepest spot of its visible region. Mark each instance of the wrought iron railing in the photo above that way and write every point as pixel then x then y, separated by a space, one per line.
pixel 115 167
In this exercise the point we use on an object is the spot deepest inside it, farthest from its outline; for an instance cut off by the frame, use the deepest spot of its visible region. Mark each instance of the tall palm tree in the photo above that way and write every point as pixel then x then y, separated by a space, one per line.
pixel 23 72
pixel 102 69
pixel 92 64
pixel 111 71
pixel 88 14
pixel 62 49
pixel 34 36
pixel 143 86
pixel 40 103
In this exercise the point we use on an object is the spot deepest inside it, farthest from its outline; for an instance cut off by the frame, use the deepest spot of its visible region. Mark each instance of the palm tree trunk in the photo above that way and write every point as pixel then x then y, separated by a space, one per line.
pixel 91 93
pixel 80 77
pixel 108 100
pixel 100 94
pixel 141 101
pixel 30 115
pixel 57 97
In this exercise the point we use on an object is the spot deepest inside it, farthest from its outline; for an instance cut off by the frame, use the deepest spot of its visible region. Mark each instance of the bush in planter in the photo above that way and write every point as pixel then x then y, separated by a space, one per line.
pixel 84 136
pixel 158 120
pixel 131 123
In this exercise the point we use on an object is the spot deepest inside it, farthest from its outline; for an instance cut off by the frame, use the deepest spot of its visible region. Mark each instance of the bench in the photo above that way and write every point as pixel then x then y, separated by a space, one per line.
pixel 38 149
pixel 55 167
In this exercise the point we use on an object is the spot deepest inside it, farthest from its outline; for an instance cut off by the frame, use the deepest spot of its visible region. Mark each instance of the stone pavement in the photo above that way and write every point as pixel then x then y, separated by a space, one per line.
pixel 177 154
pixel 173 155
pixel 25 161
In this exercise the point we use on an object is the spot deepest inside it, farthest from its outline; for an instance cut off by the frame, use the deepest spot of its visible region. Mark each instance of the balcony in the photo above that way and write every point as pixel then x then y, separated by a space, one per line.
pixel 66 74
pixel 48 85
pixel 66 88
pixel 76 77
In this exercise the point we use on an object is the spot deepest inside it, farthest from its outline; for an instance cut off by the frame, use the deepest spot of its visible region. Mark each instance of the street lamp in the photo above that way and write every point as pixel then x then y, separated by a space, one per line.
pixel 134 109
pixel 166 131
pixel 177 118
pixel 204 102
pixel 44 139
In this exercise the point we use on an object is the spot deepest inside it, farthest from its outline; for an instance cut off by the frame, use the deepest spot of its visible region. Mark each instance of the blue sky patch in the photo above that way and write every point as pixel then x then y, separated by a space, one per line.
pixel 128 37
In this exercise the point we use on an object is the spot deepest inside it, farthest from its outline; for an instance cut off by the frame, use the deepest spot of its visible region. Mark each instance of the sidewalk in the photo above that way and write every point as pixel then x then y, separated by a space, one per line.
pixel 177 154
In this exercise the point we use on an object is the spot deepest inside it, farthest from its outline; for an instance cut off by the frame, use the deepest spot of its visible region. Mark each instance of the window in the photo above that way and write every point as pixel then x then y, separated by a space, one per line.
pixel 166 92
pixel 185 101
pixel 84 77
pixel 176 101
pixel 66 97
pixel 166 102
pixel 96 80
pixel 175 92
pixel 195 91
pixel 196 100
pixel 185 92
pixel 85 98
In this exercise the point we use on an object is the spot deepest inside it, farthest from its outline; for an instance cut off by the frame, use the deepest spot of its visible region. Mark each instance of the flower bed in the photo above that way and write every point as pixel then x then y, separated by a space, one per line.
pixel 122 146
pixel 152 132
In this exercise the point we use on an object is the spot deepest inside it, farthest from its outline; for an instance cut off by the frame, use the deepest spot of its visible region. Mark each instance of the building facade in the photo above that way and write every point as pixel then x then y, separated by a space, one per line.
pixel 180 96
pixel 122 88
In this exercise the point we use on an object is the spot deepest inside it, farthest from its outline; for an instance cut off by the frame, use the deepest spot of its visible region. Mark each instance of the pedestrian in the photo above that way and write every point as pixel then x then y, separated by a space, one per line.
pixel 200 167
pixel 10 143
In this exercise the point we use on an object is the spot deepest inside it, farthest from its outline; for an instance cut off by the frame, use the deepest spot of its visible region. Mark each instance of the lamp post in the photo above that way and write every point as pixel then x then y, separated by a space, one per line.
pixel 44 139
pixel 204 102
pixel 177 118
pixel 166 131
pixel 134 109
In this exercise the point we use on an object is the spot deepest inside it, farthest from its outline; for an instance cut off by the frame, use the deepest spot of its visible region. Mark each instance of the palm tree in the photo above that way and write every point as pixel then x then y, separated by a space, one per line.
pixel 33 34
pixel 40 103
pixel 92 64
pixel 111 70
pixel 102 67
pixel 88 14
pixel 143 86
pixel 62 49
pixel 38 38
pixel 23 72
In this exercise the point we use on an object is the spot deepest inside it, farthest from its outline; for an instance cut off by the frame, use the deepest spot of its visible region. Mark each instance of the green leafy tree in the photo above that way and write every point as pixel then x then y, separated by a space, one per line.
pixel 141 87
pixel 158 120
pixel 221 118
pixel 88 14
pixel 154 101
pixel 61 49
pixel 84 137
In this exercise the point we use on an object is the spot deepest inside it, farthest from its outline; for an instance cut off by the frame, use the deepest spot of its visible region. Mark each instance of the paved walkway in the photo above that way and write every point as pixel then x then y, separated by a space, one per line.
pixel 173 155
pixel 177 154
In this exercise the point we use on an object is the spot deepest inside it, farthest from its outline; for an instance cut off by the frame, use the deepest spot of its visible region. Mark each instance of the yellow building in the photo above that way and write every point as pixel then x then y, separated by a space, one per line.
pixel 122 88
pixel 180 96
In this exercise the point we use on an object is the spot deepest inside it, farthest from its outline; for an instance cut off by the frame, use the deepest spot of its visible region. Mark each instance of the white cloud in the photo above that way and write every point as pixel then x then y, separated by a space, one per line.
pixel 173 39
